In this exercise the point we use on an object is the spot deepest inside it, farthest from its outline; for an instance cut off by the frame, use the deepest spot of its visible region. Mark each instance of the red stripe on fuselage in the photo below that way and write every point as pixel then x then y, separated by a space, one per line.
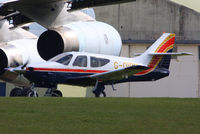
pixel 68 70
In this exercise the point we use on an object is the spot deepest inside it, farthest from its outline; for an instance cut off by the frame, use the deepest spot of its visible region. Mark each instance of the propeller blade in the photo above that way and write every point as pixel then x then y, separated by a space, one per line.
pixel 26 63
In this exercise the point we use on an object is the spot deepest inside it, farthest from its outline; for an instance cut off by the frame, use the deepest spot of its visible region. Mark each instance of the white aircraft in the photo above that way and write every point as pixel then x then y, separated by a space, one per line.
pixel 87 69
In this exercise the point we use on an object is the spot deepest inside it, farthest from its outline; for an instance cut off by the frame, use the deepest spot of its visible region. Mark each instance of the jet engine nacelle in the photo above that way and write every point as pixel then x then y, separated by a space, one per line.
pixel 16 53
pixel 94 37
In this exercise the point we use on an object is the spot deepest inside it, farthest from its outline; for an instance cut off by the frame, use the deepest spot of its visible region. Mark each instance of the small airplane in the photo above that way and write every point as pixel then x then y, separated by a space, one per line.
pixel 89 69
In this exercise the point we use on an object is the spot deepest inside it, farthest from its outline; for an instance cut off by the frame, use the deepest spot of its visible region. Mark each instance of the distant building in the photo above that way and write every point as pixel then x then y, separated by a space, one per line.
pixel 142 22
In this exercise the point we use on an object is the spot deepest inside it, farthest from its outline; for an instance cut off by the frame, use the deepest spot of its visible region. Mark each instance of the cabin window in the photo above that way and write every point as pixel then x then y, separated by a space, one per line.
pixel 65 60
pixel 98 62
pixel 80 61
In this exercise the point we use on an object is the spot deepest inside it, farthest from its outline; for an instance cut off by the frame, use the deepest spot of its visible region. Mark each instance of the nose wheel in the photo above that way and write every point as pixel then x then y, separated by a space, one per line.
pixel 99 89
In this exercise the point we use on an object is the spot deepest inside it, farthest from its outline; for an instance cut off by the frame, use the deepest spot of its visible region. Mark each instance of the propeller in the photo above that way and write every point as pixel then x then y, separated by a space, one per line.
pixel 26 63
pixel 19 69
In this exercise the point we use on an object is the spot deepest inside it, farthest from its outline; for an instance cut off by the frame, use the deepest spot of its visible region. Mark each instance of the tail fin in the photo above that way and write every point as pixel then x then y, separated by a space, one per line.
pixel 159 54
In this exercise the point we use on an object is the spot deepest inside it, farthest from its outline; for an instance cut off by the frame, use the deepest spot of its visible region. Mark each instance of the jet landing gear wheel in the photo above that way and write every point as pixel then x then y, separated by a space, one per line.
pixel 27 92
pixel 56 93
pixel 16 92
pixel 99 89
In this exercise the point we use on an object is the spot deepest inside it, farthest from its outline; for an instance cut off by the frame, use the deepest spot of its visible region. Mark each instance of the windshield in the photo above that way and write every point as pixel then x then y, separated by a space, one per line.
pixel 63 59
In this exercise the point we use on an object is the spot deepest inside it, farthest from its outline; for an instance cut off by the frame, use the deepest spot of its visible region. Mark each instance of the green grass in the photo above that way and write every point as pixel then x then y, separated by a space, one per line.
pixel 99 116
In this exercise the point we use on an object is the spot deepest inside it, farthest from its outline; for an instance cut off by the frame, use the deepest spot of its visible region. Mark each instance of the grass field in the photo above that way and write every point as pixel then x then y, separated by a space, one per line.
pixel 99 116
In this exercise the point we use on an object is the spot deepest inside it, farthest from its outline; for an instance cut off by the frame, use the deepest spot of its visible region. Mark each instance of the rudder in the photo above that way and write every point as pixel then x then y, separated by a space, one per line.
pixel 163 45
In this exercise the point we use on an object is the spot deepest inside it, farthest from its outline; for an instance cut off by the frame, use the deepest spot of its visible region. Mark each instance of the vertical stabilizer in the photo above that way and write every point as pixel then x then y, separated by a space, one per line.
pixel 163 45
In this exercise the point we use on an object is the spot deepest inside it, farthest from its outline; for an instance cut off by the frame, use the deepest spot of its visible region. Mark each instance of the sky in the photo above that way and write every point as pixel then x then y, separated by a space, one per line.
pixel 193 4
pixel 36 29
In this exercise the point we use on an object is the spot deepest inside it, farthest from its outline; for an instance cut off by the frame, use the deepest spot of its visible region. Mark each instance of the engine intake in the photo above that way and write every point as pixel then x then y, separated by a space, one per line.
pixel 54 42
pixel 93 37
pixel 9 57
pixel 3 61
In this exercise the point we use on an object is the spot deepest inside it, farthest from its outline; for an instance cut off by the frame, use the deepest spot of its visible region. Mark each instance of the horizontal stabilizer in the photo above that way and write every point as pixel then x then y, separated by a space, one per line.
pixel 172 54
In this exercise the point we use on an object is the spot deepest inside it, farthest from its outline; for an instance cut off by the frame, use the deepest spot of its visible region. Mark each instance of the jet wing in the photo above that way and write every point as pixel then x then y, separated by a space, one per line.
pixel 73 4
pixel 48 13
pixel 119 74
pixel 52 13
pixel 80 4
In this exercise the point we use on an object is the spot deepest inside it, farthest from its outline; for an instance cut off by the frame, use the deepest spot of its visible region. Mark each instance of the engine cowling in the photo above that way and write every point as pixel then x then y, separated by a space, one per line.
pixel 9 57
pixel 16 53
pixel 95 37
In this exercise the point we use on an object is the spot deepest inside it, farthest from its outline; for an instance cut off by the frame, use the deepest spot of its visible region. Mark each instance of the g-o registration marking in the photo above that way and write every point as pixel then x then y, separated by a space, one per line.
pixel 122 65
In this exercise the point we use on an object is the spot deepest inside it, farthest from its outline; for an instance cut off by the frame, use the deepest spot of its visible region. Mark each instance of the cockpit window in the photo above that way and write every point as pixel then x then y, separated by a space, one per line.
pixel 63 60
pixel 80 61
pixel 98 62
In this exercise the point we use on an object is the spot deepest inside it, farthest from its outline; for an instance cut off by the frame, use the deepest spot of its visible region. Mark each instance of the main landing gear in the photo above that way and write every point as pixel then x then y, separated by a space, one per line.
pixel 99 89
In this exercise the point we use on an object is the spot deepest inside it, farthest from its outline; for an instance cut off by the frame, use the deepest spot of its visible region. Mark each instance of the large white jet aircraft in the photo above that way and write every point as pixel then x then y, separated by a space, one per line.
pixel 87 69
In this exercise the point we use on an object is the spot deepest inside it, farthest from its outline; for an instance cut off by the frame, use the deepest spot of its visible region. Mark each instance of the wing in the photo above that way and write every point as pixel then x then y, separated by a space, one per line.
pixel 52 13
pixel 48 13
pixel 119 74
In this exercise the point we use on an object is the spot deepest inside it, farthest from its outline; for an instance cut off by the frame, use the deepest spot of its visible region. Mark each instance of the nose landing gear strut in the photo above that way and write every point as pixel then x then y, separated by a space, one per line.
pixel 99 89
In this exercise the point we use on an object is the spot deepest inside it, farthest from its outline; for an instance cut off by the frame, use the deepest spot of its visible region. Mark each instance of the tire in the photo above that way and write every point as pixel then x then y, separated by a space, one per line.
pixel 56 93
pixel 16 92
